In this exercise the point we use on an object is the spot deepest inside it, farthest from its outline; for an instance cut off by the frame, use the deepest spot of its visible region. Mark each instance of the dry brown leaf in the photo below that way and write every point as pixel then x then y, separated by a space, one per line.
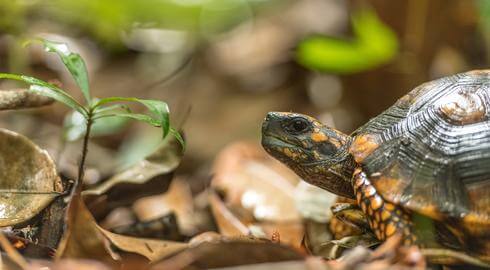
pixel 289 233
pixel 259 195
pixel 164 227
pixel 228 223
pixel 148 177
pixel 28 179
pixel 177 199
pixel 254 181
pixel 229 253
pixel 150 248
pixel 68 264
pixel 82 238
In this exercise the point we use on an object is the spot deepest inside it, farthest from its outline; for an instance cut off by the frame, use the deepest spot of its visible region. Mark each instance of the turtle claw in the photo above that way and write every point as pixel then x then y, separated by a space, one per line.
pixel 351 215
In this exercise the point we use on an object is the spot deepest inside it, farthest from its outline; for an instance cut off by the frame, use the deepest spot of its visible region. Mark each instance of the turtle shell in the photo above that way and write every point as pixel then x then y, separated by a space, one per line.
pixel 430 151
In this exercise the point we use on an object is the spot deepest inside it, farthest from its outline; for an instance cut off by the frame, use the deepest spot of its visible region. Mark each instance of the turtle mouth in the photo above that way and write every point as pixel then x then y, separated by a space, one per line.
pixel 275 146
pixel 269 140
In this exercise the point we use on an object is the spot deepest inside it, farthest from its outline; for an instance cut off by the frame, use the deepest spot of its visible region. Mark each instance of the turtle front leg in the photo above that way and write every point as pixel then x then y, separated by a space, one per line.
pixel 351 215
pixel 384 218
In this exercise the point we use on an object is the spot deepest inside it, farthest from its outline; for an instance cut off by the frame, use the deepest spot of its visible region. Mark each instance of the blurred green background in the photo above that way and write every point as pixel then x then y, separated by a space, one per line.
pixel 221 65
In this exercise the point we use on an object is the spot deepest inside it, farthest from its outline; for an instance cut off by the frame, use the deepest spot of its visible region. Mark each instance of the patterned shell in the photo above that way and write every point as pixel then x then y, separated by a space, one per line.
pixel 430 152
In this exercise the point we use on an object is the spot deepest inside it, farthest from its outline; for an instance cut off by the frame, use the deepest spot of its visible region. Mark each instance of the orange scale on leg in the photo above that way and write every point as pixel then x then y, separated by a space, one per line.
pixel 390 229
pixel 385 214
pixel 376 202
pixel 389 206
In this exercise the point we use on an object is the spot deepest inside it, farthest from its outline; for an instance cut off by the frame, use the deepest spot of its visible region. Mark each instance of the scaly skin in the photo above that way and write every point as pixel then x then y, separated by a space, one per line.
pixel 320 155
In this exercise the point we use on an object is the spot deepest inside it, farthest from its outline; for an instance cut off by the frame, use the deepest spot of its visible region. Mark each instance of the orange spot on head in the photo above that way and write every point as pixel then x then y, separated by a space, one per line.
pixel 319 137
pixel 289 153
pixel 363 146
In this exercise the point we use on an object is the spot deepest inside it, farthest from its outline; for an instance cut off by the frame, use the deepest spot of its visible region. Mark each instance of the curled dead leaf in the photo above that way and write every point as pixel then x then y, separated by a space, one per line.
pixel 150 176
pixel 164 227
pixel 177 201
pixel 82 238
pixel 150 248
pixel 228 224
pixel 254 181
pixel 229 253
pixel 28 179
pixel 258 195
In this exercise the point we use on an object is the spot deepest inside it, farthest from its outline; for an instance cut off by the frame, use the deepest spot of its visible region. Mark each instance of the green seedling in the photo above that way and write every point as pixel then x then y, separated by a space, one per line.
pixel 93 109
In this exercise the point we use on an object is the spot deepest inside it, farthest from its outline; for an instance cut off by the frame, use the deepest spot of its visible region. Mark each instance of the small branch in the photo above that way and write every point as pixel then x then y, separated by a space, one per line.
pixel 81 168
pixel 447 255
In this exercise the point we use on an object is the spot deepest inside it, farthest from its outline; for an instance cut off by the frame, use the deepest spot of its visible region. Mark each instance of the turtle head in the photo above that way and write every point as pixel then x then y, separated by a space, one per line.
pixel 317 153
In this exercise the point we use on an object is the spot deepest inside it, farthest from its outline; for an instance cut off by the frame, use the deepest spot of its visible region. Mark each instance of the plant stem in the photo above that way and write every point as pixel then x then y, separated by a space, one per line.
pixel 81 168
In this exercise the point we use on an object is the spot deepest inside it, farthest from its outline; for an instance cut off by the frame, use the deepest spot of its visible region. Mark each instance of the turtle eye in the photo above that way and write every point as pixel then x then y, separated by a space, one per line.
pixel 297 125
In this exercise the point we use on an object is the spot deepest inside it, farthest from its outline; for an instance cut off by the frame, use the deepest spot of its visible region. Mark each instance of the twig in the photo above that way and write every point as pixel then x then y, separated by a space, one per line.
pixel 443 254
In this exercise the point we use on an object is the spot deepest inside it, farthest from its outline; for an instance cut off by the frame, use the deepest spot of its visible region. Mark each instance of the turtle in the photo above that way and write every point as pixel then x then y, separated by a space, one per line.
pixel 420 169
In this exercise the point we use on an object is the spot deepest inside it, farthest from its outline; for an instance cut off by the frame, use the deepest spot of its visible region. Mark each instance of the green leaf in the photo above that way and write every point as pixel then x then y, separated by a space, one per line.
pixel 73 62
pixel 75 126
pixel 178 137
pixel 158 108
pixel 43 88
pixel 374 44
pixel 136 116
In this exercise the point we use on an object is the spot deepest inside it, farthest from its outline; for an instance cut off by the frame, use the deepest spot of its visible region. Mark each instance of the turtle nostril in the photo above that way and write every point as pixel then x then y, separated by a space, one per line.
pixel 265 123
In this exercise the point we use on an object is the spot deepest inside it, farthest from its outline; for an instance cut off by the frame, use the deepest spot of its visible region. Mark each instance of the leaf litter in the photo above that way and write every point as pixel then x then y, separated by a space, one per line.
pixel 239 236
